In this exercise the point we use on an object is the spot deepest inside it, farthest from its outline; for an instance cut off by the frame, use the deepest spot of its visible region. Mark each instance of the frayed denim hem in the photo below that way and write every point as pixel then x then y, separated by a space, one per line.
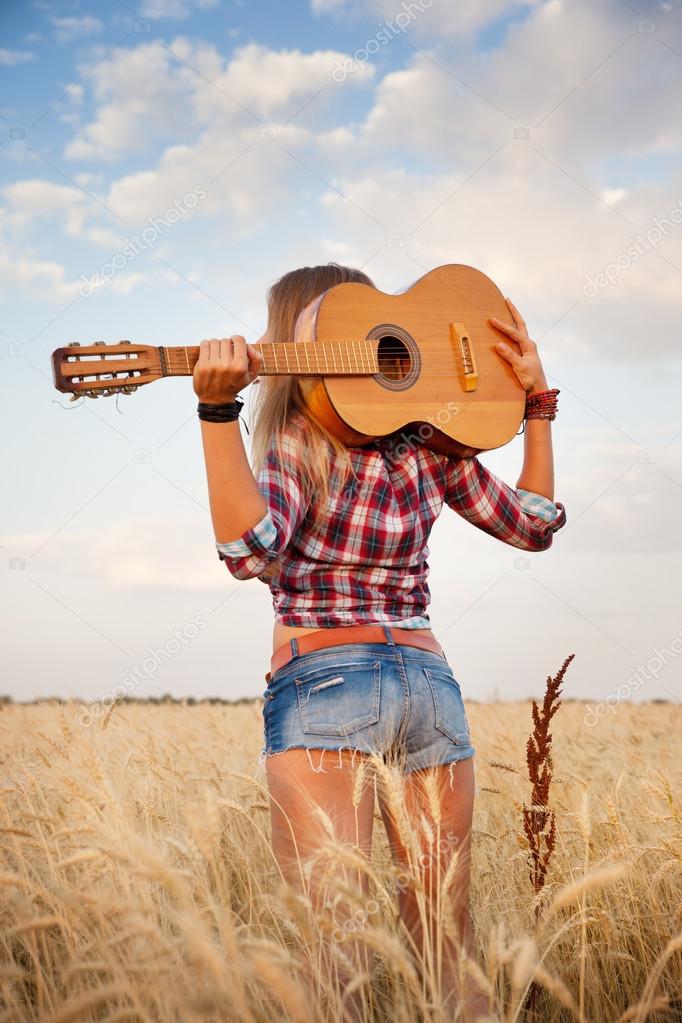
pixel 462 754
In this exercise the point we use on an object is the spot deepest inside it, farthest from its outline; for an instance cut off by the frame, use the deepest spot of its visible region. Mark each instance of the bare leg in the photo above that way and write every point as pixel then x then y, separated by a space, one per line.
pixel 337 783
pixel 438 856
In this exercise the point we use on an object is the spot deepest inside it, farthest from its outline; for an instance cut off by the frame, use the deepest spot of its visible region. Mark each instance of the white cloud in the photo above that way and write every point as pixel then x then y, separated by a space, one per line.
pixel 86 179
pixel 536 235
pixel 233 112
pixel 123 284
pixel 33 198
pixel 612 196
pixel 430 112
pixel 151 93
pixel 74 92
pixel 609 95
pixel 23 271
pixel 175 9
pixel 21 265
pixel 426 17
pixel 271 83
pixel 69 28
pixel 10 58
pixel 142 99
pixel 327 6
pixel 41 278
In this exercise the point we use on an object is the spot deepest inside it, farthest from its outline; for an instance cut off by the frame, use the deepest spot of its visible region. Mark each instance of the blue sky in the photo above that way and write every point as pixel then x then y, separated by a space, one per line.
pixel 537 141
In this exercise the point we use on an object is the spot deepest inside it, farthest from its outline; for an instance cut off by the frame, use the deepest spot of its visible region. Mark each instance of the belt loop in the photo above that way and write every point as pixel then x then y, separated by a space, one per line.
pixel 293 643
pixel 388 635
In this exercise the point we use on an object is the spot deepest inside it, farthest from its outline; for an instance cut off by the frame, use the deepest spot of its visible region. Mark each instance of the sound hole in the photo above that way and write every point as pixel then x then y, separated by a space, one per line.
pixel 393 358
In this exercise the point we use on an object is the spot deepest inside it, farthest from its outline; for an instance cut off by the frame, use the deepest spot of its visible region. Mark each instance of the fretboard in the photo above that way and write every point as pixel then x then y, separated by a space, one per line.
pixel 356 357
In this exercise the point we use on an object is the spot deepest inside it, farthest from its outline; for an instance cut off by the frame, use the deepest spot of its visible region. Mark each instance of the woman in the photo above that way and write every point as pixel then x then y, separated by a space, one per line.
pixel 340 536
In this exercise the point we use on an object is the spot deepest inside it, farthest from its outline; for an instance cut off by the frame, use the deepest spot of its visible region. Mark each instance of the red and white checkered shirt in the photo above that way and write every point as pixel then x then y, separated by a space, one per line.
pixel 368 563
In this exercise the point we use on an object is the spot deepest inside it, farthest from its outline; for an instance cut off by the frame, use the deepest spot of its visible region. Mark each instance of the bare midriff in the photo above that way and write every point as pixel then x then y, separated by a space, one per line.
pixel 283 633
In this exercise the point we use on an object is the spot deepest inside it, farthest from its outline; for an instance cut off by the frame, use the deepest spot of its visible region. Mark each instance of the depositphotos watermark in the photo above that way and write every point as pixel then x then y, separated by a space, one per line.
pixel 640 245
pixel 638 677
pixel 138 673
pixel 388 30
pixel 139 242
pixel 410 441
pixel 402 883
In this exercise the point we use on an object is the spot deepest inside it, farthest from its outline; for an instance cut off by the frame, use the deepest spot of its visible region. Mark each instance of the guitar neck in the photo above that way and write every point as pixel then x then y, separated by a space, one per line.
pixel 300 358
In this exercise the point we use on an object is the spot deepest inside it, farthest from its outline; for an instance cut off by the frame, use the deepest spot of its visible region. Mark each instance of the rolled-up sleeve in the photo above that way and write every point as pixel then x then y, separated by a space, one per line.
pixel 519 518
pixel 281 484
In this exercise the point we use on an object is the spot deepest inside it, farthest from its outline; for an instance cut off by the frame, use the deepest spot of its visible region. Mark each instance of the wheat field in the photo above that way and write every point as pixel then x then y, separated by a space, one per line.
pixel 138 882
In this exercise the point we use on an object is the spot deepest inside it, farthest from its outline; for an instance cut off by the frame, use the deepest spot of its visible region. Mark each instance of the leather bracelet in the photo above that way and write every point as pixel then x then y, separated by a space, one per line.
pixel 226 412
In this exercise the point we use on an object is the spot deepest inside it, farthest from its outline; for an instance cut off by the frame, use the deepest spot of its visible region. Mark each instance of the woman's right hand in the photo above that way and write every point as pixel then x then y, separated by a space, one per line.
pixel 225 366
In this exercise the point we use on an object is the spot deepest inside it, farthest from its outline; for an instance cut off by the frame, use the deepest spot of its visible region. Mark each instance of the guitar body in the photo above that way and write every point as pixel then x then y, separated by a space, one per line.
pixel 425 396
pixel 422 363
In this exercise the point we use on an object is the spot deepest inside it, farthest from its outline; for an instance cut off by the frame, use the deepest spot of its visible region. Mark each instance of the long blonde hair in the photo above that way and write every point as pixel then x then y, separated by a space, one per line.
pixel 278 397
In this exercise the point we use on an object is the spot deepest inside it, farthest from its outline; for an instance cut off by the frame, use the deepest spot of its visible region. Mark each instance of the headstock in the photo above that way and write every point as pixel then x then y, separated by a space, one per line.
pixel 102 369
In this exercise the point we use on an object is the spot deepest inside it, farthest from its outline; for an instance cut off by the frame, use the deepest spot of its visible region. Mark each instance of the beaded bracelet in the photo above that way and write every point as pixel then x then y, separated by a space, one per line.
pixel 542 405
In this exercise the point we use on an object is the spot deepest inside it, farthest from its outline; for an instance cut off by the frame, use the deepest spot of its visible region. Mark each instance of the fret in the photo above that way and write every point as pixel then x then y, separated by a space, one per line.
pixel 329 356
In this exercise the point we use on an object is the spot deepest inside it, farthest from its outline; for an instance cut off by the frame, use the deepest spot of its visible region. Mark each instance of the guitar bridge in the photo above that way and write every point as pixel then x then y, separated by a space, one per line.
pixel 460 336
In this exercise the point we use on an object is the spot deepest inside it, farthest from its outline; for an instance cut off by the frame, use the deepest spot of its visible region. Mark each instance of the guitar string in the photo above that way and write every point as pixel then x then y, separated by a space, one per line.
pixel 388 352
pixel 180 355
pixel 178 363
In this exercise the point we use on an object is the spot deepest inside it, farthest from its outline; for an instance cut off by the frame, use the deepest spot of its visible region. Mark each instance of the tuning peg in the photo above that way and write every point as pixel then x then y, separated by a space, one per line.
pixel 100 342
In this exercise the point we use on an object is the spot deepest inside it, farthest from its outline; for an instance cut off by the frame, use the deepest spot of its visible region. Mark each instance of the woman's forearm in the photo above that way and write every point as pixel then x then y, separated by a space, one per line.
pixel 224 367
pixel 537 474
pixel 235 500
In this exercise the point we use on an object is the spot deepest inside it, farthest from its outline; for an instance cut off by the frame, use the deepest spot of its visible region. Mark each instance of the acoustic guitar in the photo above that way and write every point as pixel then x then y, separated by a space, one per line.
pixel 422 362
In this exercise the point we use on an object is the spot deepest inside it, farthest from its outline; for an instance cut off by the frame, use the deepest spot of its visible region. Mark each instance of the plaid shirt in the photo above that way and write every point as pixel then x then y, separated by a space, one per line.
pixel 368 562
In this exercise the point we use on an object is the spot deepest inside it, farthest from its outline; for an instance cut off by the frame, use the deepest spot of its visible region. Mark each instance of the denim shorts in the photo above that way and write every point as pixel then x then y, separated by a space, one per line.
pixel 396 700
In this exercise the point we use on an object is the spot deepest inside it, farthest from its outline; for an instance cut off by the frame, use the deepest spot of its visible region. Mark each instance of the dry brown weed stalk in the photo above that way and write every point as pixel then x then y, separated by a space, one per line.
pixel 539 821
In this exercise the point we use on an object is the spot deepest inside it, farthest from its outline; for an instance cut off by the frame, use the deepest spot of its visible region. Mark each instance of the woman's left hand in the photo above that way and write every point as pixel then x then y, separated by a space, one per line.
pixel 526 365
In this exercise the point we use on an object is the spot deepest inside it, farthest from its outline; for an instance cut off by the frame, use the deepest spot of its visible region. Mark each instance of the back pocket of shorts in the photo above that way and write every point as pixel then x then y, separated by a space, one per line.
pixel 450 715
pixel 341 698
